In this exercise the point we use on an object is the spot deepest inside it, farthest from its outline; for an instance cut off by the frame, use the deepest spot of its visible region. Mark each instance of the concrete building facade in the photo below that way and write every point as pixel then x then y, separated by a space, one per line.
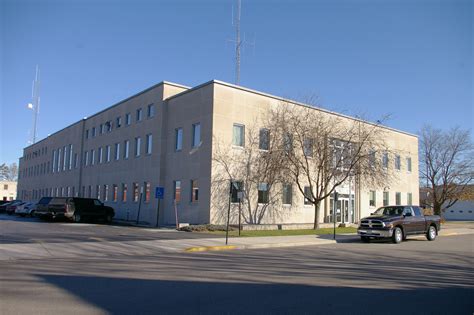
pixel 165 136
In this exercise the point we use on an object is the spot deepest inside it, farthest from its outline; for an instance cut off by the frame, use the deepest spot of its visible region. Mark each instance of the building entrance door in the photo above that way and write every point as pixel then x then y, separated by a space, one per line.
pixel 345 209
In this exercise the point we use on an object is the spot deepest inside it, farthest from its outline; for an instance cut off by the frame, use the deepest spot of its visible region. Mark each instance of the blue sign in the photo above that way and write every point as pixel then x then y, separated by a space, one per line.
pixel 159 192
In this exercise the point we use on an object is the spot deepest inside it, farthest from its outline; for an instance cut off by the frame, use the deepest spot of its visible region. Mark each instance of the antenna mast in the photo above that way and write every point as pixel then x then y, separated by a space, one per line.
pixel 35 104
pixel 238 44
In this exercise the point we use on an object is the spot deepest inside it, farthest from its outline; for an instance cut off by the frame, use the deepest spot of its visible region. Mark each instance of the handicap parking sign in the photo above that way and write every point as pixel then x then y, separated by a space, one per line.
pixel 159 192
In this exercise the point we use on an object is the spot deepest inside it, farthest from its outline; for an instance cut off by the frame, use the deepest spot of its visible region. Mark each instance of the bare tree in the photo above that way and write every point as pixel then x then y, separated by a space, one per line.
pixel 9 172
pixel 321 151
pixel 258 172
pixel 446 165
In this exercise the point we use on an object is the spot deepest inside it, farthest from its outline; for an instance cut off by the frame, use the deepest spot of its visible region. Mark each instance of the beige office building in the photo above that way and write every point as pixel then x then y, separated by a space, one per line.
pixel 7 190
pixel 165 137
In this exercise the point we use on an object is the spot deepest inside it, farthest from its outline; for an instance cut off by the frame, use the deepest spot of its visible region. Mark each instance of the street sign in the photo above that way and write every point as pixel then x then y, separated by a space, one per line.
pixel 159 192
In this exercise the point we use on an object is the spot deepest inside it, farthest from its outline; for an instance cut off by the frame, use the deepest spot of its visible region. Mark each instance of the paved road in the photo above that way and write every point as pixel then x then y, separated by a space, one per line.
pixel 14 229
pixel 415 277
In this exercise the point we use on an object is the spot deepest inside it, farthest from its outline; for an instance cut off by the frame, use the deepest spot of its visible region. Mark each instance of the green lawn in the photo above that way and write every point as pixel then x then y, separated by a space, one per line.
pixel 287 232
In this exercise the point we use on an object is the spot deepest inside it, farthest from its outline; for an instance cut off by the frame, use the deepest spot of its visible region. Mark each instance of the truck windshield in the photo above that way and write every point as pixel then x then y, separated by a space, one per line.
pixel 389 211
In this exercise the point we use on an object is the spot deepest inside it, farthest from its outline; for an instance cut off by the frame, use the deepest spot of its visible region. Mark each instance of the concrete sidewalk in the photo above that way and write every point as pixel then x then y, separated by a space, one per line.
pixel 155 247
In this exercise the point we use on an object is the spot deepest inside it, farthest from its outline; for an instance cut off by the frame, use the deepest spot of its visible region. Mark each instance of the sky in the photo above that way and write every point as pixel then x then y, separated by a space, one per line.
pixel 409 59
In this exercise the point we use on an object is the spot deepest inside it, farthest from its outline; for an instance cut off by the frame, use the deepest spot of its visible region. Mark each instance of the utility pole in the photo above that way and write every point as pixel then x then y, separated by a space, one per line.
pixel 35 104
pixel 238 43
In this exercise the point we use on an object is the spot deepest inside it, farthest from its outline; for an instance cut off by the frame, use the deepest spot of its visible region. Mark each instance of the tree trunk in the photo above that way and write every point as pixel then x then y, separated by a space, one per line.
pixel 316 216
pixel 436 208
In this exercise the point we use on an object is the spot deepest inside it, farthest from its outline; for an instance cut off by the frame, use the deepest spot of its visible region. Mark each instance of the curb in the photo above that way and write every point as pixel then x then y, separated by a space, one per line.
pixel 209 248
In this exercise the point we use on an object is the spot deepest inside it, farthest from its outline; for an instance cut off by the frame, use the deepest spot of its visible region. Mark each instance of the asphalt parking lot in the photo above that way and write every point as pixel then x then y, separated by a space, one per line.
pixel 14 229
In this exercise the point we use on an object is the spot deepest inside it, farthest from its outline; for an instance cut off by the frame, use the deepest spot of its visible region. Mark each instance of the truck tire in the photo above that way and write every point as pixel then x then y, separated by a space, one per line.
pixel 397 236
pixel 431 233
pixel 76 217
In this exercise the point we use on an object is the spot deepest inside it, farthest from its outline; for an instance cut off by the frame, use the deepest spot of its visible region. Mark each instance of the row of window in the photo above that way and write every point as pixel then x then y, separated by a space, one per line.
pixel 36 153
pixel 109 125
pixel 386 198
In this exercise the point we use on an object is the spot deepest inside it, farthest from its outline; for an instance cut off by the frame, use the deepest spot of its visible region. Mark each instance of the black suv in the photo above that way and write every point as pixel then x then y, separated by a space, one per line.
pixel 76 209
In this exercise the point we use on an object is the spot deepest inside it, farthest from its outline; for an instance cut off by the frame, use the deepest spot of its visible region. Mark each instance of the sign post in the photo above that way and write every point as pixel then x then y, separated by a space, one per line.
pixel 240 195
pixel 159 193
pixel 140 204
pixel 334 212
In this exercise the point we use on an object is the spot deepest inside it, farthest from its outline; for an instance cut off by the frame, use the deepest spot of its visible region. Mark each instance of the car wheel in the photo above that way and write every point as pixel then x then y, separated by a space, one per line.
pixel 397 236
pixel 32 213
pixel 431 234
pixel 77 217
pixel 22 215
pixel 108 219
pixel 365 239
pixel 9 213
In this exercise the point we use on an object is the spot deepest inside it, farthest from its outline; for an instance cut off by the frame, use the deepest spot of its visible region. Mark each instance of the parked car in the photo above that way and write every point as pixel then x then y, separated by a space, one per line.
pixel 27 208
pixel 3 205
pixel 12 206
pixel 75 209
pixel 398 222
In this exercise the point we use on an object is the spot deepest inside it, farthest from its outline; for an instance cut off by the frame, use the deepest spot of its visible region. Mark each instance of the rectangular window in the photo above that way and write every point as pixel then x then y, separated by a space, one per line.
pixel 135 192
pixel 97 191
pixel 288 142
pixel 372 201
pixel 105 191
pixel 262 193
pixel 108 126
pixel 70 157
pixel 196 135
pixel 65 158
pixel 90 191
pixel 150 111
pixel 287 194
pixel 409 199
pixel 124 192
pixel 386 198
pixel 372 158
pixel 128 119
pixel 107 153
pixel 126 147
pixel 307 194
pixel 117 151
pixel 385 160
pixel 101 129
pixel 5 187
pixel 409 165
pixel 147 191
pixel 177 190
pixel 76 160
pixel 114 193
pixel 92 157
pixel 238 138
pixel 264 139
pixel 139 115
pixel 178 139
pixel 149 143
pixel 398 198
pixel 54 161
pixel 100 154
pixel 237 186
pixel 397 162
pixel 87 134
pixel 138 142
pixel 86 158
pixel 118 122
pixel 93 132
pixel 194 190
pixel 308 147
pixel 59 160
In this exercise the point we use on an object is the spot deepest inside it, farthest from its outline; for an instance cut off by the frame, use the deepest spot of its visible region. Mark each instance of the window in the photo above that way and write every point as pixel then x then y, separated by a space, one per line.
pixel 177 190
pixel 147 191
pixel 397 162
pixel 139 115
pixel 114 193
pixel 178 142
pixel 70 157
pixel 87 134
pixel 150 111
pixel 385 160
pixel 135 192
pixel 124 192
pixel 263 193
pixel 92 157
pixel 398 198
pixel 149 143
pixel 106 193
pixel 118 121
pixel 86 158
pixel 93 132
pixel 409 199
pixel 126 146
pixel 372 158
pixel 264 139
pixel 386 198
pixel 117 151
pixel 236 187
pixel 100 153
pixel 196 135
pixel 417 211
pixel 5 187
pixel 89 191
pixel 101 129
pixel 54 161
pixel 138 142
pixel 108 126
pixel 107 153
pixel 408 164
pixel 308 147
pixel 288 142
pixel 372 200
pixel 238 138
pixel 128 119
pixel 307 194
pixel 98 191
pixel 59 160
pixel 194 191
pixel 287 194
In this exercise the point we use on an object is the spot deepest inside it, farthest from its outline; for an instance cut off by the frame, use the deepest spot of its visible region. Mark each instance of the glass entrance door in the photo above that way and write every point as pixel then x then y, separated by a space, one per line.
pixel 344 210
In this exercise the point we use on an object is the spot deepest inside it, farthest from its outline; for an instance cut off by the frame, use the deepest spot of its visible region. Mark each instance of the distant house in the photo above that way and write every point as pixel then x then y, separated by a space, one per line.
pixel 462 210
pixel 7 190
